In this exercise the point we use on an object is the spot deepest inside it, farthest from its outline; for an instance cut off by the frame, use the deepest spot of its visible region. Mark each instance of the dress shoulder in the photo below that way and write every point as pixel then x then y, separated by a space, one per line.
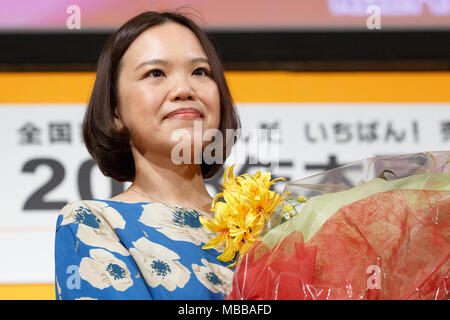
pixel 91 213
pixel 90 258
pixel 94 206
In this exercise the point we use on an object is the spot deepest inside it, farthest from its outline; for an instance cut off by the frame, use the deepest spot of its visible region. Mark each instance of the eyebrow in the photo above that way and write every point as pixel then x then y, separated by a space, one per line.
pixel 165 62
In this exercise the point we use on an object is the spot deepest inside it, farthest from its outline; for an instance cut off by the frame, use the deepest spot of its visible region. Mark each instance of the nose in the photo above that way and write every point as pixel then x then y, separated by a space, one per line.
pixel 182 90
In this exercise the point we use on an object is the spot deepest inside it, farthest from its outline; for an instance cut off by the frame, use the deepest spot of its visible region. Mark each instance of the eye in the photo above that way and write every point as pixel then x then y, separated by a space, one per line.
pixel 201 72
pixel 154 73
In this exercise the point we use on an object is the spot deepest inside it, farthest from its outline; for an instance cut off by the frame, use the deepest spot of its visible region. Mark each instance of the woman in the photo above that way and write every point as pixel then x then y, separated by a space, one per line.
pixel 158 79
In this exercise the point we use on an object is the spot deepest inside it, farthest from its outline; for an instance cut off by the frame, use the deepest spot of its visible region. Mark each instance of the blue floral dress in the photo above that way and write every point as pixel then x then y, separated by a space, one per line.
pixel 108 249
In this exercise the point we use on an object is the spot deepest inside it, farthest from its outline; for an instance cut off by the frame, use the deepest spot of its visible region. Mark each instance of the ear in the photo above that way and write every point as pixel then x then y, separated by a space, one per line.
pixel 118 122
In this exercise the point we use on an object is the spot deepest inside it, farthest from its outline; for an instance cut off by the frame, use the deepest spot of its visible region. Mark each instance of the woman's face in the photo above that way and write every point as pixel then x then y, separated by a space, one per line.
pixel 163 70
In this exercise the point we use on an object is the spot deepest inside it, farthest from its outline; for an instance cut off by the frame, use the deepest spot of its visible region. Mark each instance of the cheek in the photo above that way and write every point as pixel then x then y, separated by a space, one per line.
pixel 214 106
pixel 141 115
pixel 147 100
pixel 142 104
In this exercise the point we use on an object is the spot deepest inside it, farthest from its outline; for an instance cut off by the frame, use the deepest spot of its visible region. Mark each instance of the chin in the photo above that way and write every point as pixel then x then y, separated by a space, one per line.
pixel 184 152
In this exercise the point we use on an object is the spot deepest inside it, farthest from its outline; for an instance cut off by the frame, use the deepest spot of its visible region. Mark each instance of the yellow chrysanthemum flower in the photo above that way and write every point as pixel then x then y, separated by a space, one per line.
pixel 241 218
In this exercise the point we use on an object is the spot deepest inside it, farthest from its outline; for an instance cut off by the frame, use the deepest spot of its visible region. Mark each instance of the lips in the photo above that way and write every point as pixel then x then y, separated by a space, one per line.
pixel 184 113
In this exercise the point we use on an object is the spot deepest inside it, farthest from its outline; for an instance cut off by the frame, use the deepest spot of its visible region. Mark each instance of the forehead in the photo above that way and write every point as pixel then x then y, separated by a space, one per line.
pixel 167 41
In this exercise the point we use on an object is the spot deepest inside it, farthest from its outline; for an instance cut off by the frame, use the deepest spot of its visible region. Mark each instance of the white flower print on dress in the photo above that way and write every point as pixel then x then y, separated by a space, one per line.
pixel 176 223
pixel 103 270
pixel 215 277
pixel 96 221
pixel 158 265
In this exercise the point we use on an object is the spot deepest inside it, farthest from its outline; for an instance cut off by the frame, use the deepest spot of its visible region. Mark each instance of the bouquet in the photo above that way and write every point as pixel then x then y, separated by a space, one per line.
pixel 382 234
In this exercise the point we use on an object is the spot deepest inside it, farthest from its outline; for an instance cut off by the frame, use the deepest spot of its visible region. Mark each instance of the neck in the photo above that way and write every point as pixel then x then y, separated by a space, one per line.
pixel 159 179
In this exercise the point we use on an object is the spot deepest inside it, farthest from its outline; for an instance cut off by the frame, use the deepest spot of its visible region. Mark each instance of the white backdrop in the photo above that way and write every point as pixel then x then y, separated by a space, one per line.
pixel 45 164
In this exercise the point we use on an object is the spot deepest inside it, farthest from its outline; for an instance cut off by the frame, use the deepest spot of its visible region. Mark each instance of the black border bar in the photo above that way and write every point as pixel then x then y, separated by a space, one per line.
pixel 278 50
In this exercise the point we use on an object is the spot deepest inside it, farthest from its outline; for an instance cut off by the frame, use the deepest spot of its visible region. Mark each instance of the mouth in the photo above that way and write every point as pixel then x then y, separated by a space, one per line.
pixel 184 114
